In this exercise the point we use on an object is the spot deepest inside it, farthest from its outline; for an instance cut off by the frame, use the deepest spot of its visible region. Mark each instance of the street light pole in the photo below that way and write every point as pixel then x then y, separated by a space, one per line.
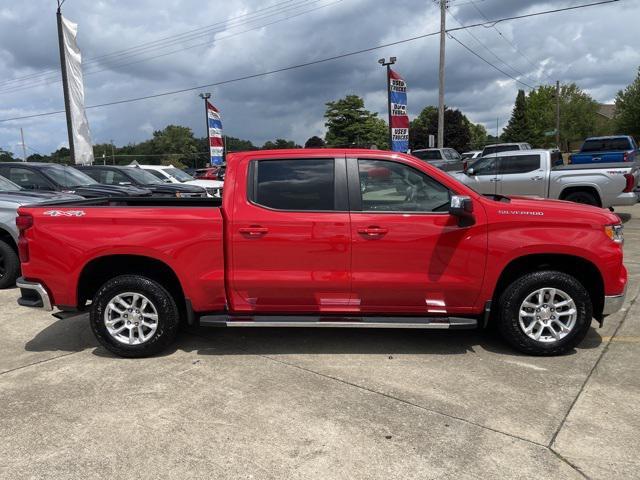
pixel 558 115
pixel 388 64
pixel 205 96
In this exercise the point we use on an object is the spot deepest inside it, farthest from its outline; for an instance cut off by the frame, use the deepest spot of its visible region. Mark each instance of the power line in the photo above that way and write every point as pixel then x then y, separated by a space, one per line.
pixel 207 28
pixel 518 72
pixel 111 67
pixel 489 63
pixel 515 48
pixel 328 59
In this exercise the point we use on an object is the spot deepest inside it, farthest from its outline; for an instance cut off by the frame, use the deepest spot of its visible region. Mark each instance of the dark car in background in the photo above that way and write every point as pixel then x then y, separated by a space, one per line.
pixel 52 177
pixel 446 159
pixel 114 175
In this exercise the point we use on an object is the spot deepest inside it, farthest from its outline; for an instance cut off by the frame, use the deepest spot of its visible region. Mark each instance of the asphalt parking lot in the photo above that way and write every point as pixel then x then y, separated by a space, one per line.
pixel 236 404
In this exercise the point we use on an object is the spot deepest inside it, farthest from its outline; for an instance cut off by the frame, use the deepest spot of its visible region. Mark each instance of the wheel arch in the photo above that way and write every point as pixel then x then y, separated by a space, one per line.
pixel 101 269
pixel 582 188
pixel 583 270
pixel 7 238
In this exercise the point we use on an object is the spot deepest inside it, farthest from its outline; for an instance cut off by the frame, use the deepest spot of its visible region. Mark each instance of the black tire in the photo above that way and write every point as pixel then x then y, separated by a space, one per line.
pixel 168 317
pixel 586 198
pixel 9 265
pixel 512 298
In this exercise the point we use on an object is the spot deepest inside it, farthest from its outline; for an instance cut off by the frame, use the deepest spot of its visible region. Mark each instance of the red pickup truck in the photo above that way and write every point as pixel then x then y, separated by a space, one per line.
pixel 326 238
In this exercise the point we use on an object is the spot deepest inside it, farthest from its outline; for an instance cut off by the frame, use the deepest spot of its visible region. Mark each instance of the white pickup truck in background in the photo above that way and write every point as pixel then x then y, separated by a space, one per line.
pixel 532 173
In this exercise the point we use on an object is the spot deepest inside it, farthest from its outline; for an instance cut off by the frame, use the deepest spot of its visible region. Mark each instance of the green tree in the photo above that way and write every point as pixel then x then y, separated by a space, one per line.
pixel 6 156
pixel 457 133
pixel 627 119
pixel 238 145
pixel 175 144
pixel 349 124
pixel 518 128
pixel 578 112
pixel 280 144
pixel 314 142
pixel 478 136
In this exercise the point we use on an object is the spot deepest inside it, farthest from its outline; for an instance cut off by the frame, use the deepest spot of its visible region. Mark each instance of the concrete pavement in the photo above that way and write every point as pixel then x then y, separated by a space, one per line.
pixel 230 404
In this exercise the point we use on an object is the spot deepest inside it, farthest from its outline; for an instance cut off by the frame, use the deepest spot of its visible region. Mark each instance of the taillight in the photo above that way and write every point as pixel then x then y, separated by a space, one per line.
pixel 631 183
pixel 465 165
pixel 625 157
pixel 24 222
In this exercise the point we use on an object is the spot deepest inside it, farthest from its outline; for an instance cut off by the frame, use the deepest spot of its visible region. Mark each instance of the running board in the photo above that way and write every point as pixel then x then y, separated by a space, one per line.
pixel 437 323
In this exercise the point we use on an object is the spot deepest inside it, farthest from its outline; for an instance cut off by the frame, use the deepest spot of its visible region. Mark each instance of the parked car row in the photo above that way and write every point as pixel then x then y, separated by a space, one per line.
pixel 38 183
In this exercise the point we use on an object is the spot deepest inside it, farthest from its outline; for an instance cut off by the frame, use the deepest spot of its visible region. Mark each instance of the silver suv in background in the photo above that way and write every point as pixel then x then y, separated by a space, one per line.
pixel 447 159
pixel 11 198
pixel 504 147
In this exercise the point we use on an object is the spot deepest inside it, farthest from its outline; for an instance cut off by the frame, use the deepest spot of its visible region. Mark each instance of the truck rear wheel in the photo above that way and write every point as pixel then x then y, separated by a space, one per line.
pixel 586 198
pixel 134 316
pixel 545 313
pixel 9 265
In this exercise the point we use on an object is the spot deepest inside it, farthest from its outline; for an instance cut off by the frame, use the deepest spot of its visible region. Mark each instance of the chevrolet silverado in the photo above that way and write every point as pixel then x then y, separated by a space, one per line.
pixel 326 238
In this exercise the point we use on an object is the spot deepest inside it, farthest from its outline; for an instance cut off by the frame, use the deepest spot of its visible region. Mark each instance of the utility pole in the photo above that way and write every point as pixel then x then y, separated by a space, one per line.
pixel 443 26
pixel 65 82
pixel 113 156
pixel 558 115
pixel 206 96
pixel 388 64
pixel 24 148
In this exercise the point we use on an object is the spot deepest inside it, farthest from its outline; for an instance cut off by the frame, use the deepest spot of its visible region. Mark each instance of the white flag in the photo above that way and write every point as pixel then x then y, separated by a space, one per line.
pixel 83 149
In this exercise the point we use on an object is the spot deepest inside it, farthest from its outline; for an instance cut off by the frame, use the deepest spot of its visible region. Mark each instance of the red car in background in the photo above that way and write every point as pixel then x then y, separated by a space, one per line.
pixel 210 173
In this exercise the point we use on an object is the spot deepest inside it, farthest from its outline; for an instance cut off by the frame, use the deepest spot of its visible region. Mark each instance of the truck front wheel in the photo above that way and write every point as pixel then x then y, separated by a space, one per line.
pixel 134 316
pixel 545 313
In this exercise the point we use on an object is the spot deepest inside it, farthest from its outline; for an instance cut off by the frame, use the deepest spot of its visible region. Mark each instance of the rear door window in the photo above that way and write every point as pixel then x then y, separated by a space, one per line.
pixel 518 164
pixel 297 185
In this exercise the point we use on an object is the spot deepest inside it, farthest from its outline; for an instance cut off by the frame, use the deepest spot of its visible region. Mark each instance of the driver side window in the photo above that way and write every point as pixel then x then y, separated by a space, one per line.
pixel 394 187
pixel 485 166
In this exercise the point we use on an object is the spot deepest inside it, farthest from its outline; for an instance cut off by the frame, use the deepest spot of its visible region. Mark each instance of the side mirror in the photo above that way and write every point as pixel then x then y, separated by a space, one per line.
pixel 470 171
pixel 462 207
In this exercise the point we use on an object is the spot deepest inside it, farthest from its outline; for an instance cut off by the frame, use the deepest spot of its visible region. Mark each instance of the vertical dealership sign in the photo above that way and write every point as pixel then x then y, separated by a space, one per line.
pixel 398 115
pixel 71 64
pixel 216 142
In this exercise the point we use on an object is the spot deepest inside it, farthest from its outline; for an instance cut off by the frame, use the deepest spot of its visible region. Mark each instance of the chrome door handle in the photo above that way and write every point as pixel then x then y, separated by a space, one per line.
pixel 374 232
pixel 536 178
pixel 254 231
pixel 494 179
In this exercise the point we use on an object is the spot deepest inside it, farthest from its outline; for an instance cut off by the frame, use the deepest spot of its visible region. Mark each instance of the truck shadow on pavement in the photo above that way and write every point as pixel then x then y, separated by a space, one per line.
pixel 74 335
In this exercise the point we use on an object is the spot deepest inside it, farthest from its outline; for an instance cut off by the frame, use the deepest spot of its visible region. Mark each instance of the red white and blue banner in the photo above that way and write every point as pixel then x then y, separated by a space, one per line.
pixel 398 113
pixel 216 142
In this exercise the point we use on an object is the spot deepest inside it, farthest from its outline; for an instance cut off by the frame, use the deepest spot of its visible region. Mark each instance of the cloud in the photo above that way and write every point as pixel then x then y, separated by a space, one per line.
pixel 594 47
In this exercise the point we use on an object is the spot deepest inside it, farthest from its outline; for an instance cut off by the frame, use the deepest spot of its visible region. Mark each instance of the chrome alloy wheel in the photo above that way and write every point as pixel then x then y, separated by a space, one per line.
pixel 131 318
pixel 547 315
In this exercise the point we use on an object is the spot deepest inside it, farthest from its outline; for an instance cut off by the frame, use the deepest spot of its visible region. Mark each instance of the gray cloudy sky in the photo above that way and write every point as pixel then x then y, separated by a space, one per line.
pixel 595 47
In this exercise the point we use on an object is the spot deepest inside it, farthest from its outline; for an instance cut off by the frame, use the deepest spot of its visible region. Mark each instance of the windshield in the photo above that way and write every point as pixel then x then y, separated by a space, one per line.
pixel 68 176
pixel 7 186
pixel 427 155
pixel 143 177
pixel 178 174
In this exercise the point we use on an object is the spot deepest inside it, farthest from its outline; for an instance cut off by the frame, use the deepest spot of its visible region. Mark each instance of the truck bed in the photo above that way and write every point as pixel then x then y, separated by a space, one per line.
pixel 137 202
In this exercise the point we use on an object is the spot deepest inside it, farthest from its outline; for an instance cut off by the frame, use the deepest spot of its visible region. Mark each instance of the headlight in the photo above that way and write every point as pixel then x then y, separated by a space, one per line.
pixel 614 232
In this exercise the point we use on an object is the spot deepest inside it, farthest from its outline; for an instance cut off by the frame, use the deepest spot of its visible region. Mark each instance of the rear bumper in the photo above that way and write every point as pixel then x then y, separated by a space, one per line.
pixel 33 294
pixel 613 303
pixel 625 199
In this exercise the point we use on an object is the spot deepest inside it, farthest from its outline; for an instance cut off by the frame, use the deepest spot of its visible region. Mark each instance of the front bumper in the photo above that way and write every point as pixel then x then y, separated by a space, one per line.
pixel 613 303
pixel 33 294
